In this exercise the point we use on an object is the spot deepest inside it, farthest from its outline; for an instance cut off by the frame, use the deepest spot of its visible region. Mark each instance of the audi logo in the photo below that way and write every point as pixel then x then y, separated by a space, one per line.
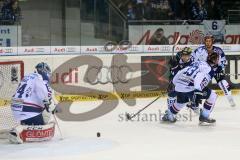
pixel 123 45
pixel 108 74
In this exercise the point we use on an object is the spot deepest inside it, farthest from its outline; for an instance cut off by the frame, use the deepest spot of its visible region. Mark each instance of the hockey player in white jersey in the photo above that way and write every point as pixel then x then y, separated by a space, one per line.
pixel 181 60
pixel 31 106
pixel 190 86
pixel 202 53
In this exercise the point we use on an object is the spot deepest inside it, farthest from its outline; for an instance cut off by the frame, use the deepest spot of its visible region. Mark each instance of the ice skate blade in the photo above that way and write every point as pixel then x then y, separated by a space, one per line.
pixel 206 124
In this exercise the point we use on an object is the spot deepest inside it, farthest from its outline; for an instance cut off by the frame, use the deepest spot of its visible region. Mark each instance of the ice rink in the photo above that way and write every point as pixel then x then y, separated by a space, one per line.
pixel 145 138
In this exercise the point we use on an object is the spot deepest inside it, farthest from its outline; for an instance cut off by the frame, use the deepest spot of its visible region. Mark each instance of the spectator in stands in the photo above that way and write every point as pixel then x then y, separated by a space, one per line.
pixel 158 38
pixel 198 10
pixel 162 10
pixel 11 12
pixel 213 10
pixel 131 12
pixel 173 5
pixel 147 10
pixel 139 9
pixel 182 10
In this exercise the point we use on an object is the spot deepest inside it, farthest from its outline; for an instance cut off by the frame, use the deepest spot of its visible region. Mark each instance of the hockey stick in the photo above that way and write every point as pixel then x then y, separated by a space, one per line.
pixel 57 124
pixel 175 44
pixel 129 117
pixel 231 74
pixel 54 116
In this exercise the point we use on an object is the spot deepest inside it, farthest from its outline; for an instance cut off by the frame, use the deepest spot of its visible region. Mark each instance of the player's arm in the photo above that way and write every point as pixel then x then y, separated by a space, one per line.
pixel 174 65
pixel 43 92
pixel 219 70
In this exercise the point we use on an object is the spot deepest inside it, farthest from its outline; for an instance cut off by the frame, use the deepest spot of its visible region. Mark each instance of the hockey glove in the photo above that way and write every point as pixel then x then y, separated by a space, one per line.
pixel 49 106
pixel 173 62
pixel 197 98
pixel 219 74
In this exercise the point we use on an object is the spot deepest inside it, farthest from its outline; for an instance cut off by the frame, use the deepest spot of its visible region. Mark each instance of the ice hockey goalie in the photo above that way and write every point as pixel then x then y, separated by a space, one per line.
pixel 32 106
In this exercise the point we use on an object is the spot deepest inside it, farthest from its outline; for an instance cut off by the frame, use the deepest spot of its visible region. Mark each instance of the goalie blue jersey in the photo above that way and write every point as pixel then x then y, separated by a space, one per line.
pixel 28 99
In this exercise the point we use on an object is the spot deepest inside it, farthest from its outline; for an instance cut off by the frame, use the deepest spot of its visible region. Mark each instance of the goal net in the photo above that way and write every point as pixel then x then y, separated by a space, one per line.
pixel 11 73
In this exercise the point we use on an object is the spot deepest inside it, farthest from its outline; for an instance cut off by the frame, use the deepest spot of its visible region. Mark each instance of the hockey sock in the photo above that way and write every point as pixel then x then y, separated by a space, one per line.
pixel 225 88
pixel 223 84
pixel 171 101
pixel 209 104
pixel 176 107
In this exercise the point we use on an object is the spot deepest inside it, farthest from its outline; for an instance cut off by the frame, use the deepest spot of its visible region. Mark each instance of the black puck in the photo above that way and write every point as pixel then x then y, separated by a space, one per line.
pixel 98 134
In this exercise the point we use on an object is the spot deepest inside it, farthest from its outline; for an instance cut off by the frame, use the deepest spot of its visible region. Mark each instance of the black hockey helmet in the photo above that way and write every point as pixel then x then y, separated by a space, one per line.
pixel 186 51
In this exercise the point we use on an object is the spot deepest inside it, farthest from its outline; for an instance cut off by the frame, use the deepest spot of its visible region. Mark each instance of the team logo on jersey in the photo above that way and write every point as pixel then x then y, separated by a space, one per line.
pixel 14 75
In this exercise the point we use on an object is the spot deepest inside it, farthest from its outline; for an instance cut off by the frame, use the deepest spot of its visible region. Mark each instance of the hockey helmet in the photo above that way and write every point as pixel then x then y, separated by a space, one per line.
pixel 186 51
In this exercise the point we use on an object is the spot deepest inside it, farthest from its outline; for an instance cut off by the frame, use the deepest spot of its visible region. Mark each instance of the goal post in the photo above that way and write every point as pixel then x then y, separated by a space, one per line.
pixel 11 73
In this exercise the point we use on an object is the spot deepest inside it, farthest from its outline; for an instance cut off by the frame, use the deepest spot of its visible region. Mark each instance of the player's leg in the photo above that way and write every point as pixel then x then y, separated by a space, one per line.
pixel 32 133
pixel 223 84
pixel 171 99
pixel 208 106
pixel 32 129
pixel 172 111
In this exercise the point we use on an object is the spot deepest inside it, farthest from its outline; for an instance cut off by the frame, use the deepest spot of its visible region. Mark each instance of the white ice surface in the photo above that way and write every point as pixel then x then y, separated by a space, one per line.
pixel 138 140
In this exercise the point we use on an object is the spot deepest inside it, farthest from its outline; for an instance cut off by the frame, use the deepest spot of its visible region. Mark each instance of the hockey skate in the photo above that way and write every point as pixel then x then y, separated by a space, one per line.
pixel 168 117
pixel 205 121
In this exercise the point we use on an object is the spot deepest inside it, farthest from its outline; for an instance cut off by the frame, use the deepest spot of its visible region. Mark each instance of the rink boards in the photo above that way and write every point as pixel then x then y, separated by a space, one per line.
pixel 94 74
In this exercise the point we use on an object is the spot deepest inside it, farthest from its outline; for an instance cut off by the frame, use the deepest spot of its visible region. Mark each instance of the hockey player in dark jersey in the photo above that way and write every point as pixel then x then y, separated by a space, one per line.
pixel 182 60
pixel 202 53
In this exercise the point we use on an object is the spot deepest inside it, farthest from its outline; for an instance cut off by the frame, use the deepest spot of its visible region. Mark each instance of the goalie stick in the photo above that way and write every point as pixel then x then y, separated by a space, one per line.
pixel 55 118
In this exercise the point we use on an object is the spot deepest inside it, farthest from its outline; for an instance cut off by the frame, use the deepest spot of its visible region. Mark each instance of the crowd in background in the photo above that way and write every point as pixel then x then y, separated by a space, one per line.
pixel 10 12
pixel 174 10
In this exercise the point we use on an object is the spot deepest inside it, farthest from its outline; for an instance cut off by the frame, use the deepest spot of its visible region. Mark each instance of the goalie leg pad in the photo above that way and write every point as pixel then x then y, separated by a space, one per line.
pixel 32 133
pixel 15 135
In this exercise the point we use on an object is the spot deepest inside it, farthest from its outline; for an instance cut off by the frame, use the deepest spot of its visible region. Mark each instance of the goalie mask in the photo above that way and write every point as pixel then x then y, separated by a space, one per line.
pixel 44 70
